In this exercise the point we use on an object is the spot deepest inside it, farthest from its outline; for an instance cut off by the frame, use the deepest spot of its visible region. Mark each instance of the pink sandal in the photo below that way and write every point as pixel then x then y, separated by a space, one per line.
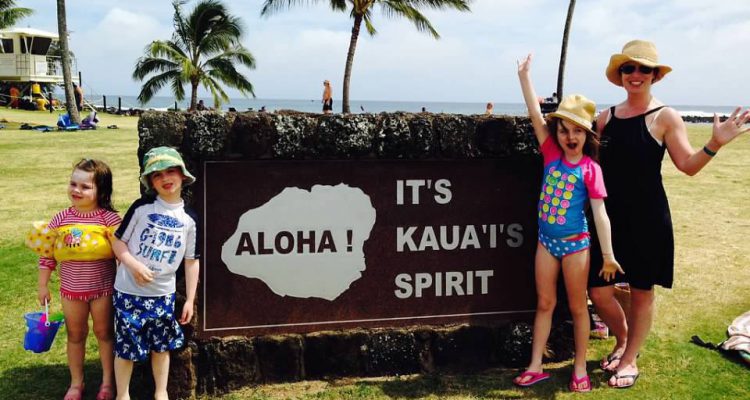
pixel 579 384
pixel 74 392
pixel 534 378
pixel 106 392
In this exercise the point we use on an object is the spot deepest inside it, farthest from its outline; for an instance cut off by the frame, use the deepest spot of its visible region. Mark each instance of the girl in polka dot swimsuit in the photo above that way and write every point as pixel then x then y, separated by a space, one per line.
pixel 571 176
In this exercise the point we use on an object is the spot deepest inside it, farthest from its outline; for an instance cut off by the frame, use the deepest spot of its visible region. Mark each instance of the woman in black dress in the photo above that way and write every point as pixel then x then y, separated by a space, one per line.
pixel 635 134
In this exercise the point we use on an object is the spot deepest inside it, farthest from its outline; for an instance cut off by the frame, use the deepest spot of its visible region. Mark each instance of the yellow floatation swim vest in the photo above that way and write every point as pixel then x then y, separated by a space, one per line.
pixel 80 242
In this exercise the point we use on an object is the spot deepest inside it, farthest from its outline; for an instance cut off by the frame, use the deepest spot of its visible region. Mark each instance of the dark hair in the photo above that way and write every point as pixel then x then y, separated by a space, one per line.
pixel 590 147
pixel 102 180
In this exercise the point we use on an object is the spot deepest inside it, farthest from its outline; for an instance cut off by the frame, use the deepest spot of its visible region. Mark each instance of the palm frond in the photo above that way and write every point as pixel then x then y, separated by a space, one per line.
pixel 224 70
pixel 166 49
pixel 218 94
pixel 368 24
pixel 156 82
pixel 460 5
pixel 273 6
pixel 396 8
pixel 10 15
pixel 148 65
pixel 236 54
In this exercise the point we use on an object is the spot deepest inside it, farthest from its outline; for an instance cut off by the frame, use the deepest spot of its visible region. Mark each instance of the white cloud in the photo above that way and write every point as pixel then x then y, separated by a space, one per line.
pixel 113 46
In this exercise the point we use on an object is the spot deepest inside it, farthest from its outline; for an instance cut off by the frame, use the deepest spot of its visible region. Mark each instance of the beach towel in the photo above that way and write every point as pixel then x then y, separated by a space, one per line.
pixel 65 124
pixel 738 341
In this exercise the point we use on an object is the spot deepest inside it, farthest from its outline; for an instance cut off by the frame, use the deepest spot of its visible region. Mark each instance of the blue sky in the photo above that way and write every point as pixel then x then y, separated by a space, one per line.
pixel 474 61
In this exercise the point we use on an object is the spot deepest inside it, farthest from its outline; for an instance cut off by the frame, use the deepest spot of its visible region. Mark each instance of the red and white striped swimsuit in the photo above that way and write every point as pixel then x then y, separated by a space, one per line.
pixel 84 280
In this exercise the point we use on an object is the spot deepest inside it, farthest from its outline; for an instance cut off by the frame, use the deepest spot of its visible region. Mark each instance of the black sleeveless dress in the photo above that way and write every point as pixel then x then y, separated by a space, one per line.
pixel 637 205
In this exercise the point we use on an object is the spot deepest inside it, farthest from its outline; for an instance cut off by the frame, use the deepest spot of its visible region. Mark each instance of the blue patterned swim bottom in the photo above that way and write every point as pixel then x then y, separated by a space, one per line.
pixel 560 248
pixel 145 324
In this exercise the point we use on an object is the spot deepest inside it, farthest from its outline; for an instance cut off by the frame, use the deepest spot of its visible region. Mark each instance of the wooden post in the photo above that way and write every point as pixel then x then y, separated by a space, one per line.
pixel 119 105
pixel 104 100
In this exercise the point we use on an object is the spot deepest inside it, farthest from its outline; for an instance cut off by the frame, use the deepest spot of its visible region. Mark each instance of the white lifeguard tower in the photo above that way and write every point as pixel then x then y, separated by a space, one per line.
pixel 25 62
pixel 24 56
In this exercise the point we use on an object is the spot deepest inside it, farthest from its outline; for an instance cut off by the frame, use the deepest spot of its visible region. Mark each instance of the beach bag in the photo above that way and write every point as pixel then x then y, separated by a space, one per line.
pixel 738 341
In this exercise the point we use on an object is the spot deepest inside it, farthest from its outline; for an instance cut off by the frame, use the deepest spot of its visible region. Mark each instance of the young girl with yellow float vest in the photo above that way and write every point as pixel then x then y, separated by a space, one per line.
pixel 78 239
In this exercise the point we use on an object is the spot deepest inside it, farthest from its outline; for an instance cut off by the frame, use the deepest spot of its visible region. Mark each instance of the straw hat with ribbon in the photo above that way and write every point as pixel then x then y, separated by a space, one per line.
pixel 577 109
pixel 640 51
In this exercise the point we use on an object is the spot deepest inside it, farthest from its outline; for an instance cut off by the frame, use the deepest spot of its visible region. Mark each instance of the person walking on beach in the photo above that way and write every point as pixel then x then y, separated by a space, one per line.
pixel 80 243
pixel 637 132
pixel 571 177
pixel 327 97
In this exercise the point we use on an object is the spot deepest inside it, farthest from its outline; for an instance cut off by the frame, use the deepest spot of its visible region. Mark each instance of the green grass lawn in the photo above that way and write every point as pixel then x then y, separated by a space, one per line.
pixel 711 214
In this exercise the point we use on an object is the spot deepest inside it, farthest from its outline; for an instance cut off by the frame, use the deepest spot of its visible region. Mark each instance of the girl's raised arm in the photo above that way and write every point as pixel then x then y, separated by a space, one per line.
pixel 541 131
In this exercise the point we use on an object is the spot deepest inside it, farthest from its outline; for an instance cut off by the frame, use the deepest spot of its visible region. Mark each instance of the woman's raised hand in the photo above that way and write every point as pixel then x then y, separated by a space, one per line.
pixel 725 132
pixel 524 65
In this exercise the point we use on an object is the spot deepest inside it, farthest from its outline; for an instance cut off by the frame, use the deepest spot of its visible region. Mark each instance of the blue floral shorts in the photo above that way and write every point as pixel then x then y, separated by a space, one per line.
pixel 560 248
pixel 145 324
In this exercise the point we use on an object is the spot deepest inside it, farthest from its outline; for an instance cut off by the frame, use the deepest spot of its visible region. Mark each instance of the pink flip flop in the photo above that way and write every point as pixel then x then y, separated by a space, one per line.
pixel 75 392
pixel 579 384
pixel 534 378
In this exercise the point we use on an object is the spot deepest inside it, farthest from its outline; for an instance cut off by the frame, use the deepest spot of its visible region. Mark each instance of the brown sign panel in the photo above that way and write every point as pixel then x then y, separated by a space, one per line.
pixel 319 245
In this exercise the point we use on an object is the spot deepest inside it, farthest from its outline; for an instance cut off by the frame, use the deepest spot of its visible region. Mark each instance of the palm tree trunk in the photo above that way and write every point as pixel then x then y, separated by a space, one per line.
pixel 564 51
pixel 349 61
pixel 193 96
pixel 62 31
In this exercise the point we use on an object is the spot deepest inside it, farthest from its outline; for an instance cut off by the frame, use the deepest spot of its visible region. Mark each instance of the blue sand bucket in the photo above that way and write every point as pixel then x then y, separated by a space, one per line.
pixel 40 331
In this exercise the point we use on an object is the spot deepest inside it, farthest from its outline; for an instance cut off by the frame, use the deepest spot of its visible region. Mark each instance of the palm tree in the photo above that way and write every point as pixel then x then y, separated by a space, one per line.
pixel 361 10
pixel 10 14
pixel 203 51
pixel 62 32
pixel 564 51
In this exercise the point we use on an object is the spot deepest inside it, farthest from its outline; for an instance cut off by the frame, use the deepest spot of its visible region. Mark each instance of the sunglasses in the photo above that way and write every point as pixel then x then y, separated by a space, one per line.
pixel 628 69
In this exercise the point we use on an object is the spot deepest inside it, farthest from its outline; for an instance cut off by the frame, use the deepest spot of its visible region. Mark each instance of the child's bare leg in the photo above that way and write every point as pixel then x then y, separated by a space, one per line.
pixel 102 314
pixel 123 371
pixel 77 327
pixel 546 271
pixel 160 368
pixel 576 271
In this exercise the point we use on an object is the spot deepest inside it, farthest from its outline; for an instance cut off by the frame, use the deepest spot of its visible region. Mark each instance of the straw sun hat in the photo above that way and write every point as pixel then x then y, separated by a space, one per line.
pixel 639 51
pixel 576 109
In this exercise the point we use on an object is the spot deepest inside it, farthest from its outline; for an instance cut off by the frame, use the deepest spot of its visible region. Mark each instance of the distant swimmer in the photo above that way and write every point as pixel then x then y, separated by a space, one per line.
pixel 327 97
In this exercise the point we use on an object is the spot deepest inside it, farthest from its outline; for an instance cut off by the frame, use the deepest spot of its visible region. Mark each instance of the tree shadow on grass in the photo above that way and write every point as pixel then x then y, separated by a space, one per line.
pixel 495 383
pixel 47 381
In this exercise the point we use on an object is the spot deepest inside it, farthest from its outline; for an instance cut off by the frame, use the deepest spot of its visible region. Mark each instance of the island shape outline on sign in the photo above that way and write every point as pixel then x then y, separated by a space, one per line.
pixel 304 243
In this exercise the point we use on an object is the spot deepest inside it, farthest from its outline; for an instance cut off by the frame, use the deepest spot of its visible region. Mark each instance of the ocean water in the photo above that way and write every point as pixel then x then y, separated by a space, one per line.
pixel 369 106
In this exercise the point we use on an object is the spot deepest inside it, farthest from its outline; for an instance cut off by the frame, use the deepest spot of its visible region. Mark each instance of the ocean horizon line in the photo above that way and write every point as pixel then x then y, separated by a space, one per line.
pixel 365 106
